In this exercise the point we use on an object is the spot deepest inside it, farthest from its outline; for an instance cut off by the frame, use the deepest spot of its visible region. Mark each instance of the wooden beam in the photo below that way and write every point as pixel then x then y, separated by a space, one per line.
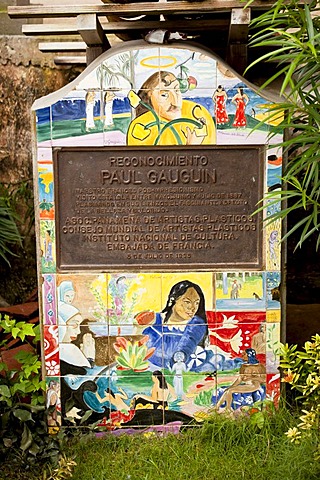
pixel 237 51
pixel 239 25
pixel 46 29
pixel 91 30
pixel 62 46
pixel 155 8
pixel 67 60
pixel 53 29
pixel 92 33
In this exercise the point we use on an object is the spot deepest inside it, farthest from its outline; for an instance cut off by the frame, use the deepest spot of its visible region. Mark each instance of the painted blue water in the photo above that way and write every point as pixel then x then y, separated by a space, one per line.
pixel 240 304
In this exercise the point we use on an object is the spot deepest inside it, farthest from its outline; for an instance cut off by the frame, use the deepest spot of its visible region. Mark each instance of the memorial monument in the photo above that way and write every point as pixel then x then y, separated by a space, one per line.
pixel 159 286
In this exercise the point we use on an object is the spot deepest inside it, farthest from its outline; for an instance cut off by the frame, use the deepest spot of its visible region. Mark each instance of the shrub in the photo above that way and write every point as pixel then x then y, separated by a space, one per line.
pixel 301 370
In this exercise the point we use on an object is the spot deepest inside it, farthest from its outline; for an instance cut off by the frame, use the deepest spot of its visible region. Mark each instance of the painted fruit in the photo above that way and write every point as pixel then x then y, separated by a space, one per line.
pixel 184 85
pixel 144 318
pixel 192 83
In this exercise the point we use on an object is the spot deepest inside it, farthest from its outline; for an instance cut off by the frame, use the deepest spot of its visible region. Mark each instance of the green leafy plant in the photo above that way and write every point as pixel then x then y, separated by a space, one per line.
pixel 23 430
pixel 9 233
pixel 133 355
pixel 301 370
pixel 290 31
pixel 63 470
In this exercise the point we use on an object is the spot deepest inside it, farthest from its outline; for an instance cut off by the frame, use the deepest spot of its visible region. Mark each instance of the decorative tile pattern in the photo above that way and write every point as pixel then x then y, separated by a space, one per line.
pixel 49 300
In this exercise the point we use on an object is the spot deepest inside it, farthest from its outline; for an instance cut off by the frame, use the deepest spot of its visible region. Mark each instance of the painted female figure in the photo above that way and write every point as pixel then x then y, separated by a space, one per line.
pixel 161 392
pixel 240 99
pixel 181 327
pixel 220 98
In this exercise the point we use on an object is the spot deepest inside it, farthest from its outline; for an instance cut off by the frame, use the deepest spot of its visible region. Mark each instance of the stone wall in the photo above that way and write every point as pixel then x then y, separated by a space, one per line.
pixel 25 75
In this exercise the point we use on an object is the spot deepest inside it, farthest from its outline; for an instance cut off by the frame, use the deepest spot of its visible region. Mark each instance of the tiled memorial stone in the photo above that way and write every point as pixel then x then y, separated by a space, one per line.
pixel 159 288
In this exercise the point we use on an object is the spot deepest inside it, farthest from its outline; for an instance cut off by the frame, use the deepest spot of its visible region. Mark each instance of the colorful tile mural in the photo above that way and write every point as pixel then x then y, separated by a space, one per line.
pixel 155 349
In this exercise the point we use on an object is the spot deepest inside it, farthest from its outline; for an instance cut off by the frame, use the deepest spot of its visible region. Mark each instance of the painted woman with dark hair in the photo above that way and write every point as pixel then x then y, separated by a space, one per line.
pixel 161 392
pixel 240 100
pixel 220 99
pixel 181 327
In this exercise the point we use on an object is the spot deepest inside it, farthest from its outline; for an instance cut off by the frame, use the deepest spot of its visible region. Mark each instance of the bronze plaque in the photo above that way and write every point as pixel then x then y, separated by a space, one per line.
pixel 161 208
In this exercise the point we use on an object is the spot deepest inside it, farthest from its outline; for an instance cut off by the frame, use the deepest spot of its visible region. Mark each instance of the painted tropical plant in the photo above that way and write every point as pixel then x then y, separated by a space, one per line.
pixel 119 309
pixel 120 66
pixel 133 355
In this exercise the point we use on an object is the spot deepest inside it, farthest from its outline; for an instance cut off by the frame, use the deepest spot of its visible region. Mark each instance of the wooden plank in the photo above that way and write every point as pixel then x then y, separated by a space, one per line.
pixel 155 8
pixel 67 60
pixel 46 29
pixel 62 46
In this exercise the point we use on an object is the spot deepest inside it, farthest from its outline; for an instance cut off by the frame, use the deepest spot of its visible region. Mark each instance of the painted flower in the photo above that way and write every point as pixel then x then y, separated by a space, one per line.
pixel 52 368
pixel 197 358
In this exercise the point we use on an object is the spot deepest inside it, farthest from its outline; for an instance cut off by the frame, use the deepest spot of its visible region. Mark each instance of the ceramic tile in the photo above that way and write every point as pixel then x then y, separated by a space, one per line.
pixel 53 402
pixel 136 352
pixel 86 294
pixel 51 350
pixel 199 394
pixel 273 283
pixel 44 155
pixel 204 282
pixel 273 316
pixel 43 119
pixel 103 358
pixel 234 318
pixel 116 72
pixel 138 398
pixel 241 391
pixel 188 398
pixel 197 69
pixel 82 393
pixel 274 172
pixel 92 80
pixel 146 64
pixel 273 245
pixel 133 299
pixel 233 339
pixel 78 115
pixel 49 300
pixel 48 246
pixel 116 116
pixel 273 388
pixel 272 347
pixel 240 291
pixel 46 190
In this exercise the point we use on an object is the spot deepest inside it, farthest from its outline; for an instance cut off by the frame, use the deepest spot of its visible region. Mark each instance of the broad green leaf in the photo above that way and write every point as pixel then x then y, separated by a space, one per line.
pixel 22 415
pixel 26 439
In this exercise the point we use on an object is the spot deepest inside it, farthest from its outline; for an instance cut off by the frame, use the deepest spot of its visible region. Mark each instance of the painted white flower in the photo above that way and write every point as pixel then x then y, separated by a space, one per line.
pixel 197 358
pixel 52 368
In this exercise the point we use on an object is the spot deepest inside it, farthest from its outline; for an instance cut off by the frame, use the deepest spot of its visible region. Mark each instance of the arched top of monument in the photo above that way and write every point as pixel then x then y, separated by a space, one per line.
pixel 127 66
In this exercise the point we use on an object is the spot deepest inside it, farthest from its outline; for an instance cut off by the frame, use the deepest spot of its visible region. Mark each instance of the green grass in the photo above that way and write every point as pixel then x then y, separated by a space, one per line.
pixel 223 449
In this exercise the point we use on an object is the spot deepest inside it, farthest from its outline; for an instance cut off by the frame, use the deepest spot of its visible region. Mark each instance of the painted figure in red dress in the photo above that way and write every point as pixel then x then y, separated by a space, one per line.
pixel 240 100
pixel 220 98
